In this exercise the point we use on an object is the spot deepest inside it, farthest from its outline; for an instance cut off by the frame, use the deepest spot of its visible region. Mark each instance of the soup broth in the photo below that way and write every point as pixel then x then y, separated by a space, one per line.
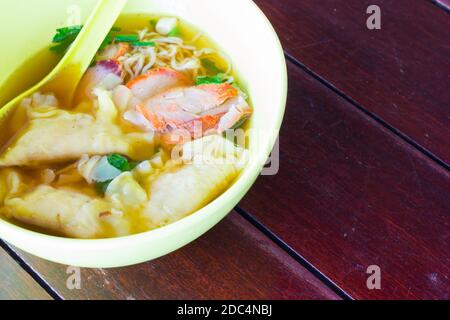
pixel 105 166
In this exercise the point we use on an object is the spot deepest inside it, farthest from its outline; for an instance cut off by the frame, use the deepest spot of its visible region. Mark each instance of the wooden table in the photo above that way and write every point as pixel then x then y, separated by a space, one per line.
pixel 364 178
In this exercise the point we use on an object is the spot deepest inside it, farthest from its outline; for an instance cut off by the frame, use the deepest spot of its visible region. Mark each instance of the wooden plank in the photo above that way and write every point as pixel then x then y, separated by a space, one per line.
pixel 399 73
pixel 233 261
pixel 16 283
pixel 349 195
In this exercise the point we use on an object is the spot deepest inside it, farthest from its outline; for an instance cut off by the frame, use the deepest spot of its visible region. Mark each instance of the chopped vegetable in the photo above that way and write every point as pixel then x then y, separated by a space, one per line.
pixel 153 23
pixel 143 44
pixel 102 186
pixel 67 35
pixel 175 32
pixel 218 79
pixel 60 48
pixel 134 164
pixel 119 162
pixel 109 168
pixel 62 34
pixel 108 40
pixel 127 38
pixel 211 66
pixel 166 25
pixel 105 171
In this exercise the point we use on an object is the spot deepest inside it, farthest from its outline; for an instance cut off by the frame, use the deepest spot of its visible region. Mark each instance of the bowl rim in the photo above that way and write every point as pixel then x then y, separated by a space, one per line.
pixel 242 183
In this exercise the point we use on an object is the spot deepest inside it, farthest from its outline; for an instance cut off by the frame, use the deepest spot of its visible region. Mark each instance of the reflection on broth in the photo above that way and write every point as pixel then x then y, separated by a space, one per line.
pixel 143 145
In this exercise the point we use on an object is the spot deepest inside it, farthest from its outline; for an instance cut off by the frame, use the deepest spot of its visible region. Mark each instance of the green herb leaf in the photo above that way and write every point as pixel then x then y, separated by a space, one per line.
pixel 62 34
pixel 175 32
pixel 127 38
pixel 108 40
pixel 153 23
pixel 209 79
pixel 66 36
pixel 69 29
pixel 60 48
pixel 119 162
pixel 102 186
pixel 134 164
pixel 211 66
pixel 143 44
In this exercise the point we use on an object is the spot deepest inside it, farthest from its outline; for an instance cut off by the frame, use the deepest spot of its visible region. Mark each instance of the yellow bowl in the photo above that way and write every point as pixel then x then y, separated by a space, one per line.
pixel 242 32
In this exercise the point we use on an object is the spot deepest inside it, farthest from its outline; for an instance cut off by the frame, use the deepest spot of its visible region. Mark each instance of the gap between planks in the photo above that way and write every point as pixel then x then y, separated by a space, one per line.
pixel 373 116
pixel 294 254
pixel 27 268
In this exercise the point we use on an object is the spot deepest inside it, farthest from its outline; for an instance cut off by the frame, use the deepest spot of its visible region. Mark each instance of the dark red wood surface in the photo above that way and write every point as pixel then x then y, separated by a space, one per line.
pixel 400 73
pixel 349 194
pixel 355 187
pixel 233 261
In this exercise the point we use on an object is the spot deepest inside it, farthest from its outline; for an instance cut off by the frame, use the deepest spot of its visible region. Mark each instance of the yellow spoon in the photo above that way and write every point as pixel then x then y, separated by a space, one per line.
pixel 64 79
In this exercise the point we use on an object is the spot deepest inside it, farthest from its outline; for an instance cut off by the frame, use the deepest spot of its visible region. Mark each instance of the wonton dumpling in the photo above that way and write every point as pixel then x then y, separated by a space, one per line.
pixel 174 194
pixel 55 135
pixel 70 213
pixel 3 190
pixel 53 140
pixel 10 183
pixel 125 191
